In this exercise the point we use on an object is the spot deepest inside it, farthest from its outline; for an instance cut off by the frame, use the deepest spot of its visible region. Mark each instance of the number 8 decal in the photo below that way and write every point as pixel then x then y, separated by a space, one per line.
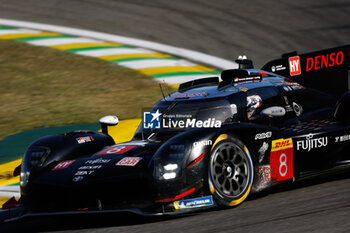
pixel 283 163
pixel 281 159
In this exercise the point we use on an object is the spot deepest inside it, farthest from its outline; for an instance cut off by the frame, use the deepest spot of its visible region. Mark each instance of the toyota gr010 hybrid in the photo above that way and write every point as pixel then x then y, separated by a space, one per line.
pixel 212 143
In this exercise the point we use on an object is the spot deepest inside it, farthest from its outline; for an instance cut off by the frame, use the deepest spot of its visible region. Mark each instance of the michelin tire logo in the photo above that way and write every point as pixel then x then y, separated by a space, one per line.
pixel 193 203
pixel 151 120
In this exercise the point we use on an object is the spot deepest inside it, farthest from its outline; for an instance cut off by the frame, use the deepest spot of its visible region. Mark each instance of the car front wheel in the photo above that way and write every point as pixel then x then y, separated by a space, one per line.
pixel 230 171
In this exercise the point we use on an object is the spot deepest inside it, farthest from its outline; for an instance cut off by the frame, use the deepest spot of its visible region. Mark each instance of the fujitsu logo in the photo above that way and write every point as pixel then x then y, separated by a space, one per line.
pixel 312 143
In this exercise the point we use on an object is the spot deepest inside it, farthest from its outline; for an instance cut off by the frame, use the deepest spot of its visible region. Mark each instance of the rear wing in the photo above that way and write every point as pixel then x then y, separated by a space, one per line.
pixel 325 70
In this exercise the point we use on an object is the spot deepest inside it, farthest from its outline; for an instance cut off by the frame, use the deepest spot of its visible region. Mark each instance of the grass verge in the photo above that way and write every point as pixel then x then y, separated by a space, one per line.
pixel 42 87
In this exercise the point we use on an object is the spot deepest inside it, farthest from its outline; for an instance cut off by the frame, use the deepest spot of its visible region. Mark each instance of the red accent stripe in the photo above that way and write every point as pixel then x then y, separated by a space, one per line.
pixel 178 196
pixel 196 160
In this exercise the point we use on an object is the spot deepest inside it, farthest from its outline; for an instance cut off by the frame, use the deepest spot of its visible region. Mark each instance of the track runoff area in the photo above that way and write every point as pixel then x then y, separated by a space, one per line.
pixel 164 63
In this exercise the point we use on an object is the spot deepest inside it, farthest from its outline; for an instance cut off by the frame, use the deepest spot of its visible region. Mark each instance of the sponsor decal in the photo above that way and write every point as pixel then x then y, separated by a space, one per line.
pixel 312 143
pixel 343 138
pixel 247 79
pixel 278 68
pixel 182 95
pixel 282 144
pixel 203 143
pixel 297 109
pixel 99 160
pixel 87 170
pixel 95 167
pixel 262 151
pixel 294 66
pixel 324 61
pixel 281 159
pixel 263 135
pixel 263 173
pixel 244 89
pixel 78 178
pixel 84 139
pixel 253 102
pixel 63 164
pixel 116 150
pixel 194 203
pixel 83 173
pixel 128 161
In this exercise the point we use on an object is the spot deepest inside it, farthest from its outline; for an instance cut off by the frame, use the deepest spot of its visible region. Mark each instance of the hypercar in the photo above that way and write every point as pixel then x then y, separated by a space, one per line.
pixel 212 143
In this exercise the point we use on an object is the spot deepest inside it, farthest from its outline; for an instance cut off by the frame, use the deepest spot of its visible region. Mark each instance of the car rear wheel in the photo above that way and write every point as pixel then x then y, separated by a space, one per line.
pixel 230 171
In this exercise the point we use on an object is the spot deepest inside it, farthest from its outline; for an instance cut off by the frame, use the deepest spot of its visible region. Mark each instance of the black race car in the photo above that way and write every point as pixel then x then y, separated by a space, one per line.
pixel 212 143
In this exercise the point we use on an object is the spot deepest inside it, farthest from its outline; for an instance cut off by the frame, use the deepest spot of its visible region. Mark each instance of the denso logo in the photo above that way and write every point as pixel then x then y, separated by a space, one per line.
pixel 324 61
pixel 294 66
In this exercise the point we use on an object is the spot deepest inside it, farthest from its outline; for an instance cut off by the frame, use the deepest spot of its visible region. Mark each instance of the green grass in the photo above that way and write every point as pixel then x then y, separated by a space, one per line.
pixel 42 87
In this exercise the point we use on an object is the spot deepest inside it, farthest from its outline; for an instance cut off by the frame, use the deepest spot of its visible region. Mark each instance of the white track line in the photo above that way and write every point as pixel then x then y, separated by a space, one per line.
pixel 60 41
pixel 17 31
pixel 185 53
pixel 155 63
pixel 10 191
pixel 113 51
pixel 9 194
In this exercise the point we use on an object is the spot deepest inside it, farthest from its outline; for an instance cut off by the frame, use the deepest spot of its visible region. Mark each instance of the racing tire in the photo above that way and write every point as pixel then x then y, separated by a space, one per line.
pixel 230 171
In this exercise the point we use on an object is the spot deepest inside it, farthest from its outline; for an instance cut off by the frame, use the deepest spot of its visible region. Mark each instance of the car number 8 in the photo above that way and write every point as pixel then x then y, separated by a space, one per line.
pixel 283 163
pixel 115 149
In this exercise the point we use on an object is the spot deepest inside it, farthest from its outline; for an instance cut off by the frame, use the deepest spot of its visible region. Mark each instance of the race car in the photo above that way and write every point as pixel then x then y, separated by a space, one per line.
pixel 212 143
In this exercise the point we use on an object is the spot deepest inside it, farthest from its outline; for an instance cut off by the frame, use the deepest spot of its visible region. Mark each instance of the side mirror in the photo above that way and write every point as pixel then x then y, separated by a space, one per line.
pixel 274 111
pixel 107 121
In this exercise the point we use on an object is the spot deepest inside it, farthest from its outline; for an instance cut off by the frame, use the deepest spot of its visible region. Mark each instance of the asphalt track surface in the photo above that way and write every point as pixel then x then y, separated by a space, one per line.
pixel 263 30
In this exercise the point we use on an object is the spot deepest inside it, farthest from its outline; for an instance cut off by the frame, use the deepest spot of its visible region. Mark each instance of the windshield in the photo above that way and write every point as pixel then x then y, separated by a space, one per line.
pixel 219 110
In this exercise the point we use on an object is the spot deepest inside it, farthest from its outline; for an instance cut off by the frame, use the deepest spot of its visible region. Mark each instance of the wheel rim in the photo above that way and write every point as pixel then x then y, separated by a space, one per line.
pixel 230 170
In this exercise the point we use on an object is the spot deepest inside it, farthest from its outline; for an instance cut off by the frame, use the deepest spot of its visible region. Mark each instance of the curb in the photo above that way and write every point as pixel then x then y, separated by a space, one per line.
pixel 149 58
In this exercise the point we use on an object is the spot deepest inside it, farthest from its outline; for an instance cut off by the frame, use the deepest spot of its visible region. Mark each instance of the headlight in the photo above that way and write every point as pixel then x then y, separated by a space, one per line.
pixel 33 158
pixel 169 175
pixel 168 162
pixel 170 167
pixel 24 177
pixel 37 155
pixel 166 172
